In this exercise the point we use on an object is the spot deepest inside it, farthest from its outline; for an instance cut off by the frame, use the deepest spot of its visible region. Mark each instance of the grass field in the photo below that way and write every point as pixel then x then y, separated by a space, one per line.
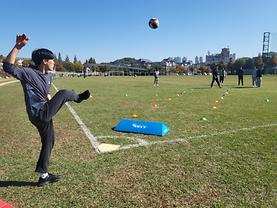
pixel 6 80
pixel 229 160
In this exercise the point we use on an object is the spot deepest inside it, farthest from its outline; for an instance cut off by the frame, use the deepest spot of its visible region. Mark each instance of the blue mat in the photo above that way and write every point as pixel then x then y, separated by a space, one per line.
pixel 142 127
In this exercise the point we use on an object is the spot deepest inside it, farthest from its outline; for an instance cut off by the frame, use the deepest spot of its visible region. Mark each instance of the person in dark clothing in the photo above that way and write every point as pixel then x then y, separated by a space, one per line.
pixel 259 77
pixel 215 75
pixel 240 76
pixel 254 76
pixel 41 108
pixel 84 72
pixel 221 75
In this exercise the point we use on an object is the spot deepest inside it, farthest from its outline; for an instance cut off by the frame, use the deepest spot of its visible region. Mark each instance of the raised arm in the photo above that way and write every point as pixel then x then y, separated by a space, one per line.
pixel 21 41
pixel 8 63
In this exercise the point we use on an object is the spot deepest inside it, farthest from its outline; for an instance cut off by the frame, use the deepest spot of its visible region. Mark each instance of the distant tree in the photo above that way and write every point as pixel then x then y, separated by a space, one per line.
pixel 203 69
pixel 221 65
pixel 91 61
pixel 60 60
pixel 27 62
pixel 249 63
pixel 273 61
pixel 78 66
pixel 103 69
pixel 68 66
pixel 180 69
pixel 93 68
pixel 1 58
pixel 230 66
pixel 59 67
pixel 239 63
pixel 75 60
pixel 67 60
pixel 259 63
pixel 127 61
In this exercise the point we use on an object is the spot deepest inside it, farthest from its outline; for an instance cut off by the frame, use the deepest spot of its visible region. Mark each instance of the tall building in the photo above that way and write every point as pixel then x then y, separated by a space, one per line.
pixel 225 52
pixel 233 56
pixel 169 62
pixel 224 56
pixel 196 60
pixel 201 60
pixel 213 58
pixel 178 60
pixel 184 59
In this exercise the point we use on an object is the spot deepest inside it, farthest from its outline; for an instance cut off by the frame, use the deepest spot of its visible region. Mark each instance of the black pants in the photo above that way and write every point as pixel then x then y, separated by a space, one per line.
pixel 45 127
pixel 156 80
pixel 221 79
pixel 240 80
pixel 215 78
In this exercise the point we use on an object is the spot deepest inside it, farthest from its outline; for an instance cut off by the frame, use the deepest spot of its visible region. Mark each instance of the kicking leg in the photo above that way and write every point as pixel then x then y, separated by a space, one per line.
pixel 59 99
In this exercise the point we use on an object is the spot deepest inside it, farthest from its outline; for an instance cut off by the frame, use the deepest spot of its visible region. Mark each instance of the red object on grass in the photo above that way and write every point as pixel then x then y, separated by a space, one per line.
pixel 5 205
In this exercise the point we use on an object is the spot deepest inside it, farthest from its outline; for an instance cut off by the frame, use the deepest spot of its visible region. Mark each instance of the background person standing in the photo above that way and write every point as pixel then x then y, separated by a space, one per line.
pixel 254 76
pixel 215 75
pixel 240 76
pixel 156 78
pixel 259 77
pixel 221 75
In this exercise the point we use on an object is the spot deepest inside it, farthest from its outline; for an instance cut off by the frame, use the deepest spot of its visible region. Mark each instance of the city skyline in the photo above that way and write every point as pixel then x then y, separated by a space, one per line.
pixel 111 30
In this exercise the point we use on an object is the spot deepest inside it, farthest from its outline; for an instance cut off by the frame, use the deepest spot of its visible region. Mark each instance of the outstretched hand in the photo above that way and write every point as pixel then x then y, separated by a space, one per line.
pixel 21 41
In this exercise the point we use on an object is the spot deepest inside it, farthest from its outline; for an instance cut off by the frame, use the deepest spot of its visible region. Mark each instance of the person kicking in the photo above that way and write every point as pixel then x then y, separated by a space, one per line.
pixel 36 83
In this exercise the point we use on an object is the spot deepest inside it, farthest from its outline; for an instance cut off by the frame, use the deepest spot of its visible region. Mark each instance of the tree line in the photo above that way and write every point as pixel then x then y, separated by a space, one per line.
pixel 266 63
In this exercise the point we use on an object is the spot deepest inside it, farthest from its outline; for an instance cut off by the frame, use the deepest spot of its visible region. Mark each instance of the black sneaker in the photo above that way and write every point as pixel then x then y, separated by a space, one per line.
pixel 83 96
pixel 49 179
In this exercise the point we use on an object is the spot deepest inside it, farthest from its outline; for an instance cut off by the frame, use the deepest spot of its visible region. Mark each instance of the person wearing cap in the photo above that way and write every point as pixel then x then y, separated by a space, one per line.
pixel 40 107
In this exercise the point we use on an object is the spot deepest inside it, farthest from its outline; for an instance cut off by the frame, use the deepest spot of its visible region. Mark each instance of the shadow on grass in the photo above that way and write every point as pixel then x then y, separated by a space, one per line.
pixel 201 88
pixel 17 183
pixel 241 87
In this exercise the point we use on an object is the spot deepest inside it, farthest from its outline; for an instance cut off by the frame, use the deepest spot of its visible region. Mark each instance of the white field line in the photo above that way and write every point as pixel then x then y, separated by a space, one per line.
pixel 144 143
pixel 115 137
pixel 95 144
pixel 124 137
pixel 5 83
pixel 151 143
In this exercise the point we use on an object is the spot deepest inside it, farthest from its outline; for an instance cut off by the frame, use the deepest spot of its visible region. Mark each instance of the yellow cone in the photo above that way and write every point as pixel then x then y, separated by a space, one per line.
pixel 155 105
pixel 134 115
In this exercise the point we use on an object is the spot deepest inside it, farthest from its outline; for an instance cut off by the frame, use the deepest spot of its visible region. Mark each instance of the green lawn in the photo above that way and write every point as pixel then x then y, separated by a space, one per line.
pixel 227 161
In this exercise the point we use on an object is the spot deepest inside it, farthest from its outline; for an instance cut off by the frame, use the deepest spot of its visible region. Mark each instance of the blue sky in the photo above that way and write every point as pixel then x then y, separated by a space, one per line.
pixel 112 29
